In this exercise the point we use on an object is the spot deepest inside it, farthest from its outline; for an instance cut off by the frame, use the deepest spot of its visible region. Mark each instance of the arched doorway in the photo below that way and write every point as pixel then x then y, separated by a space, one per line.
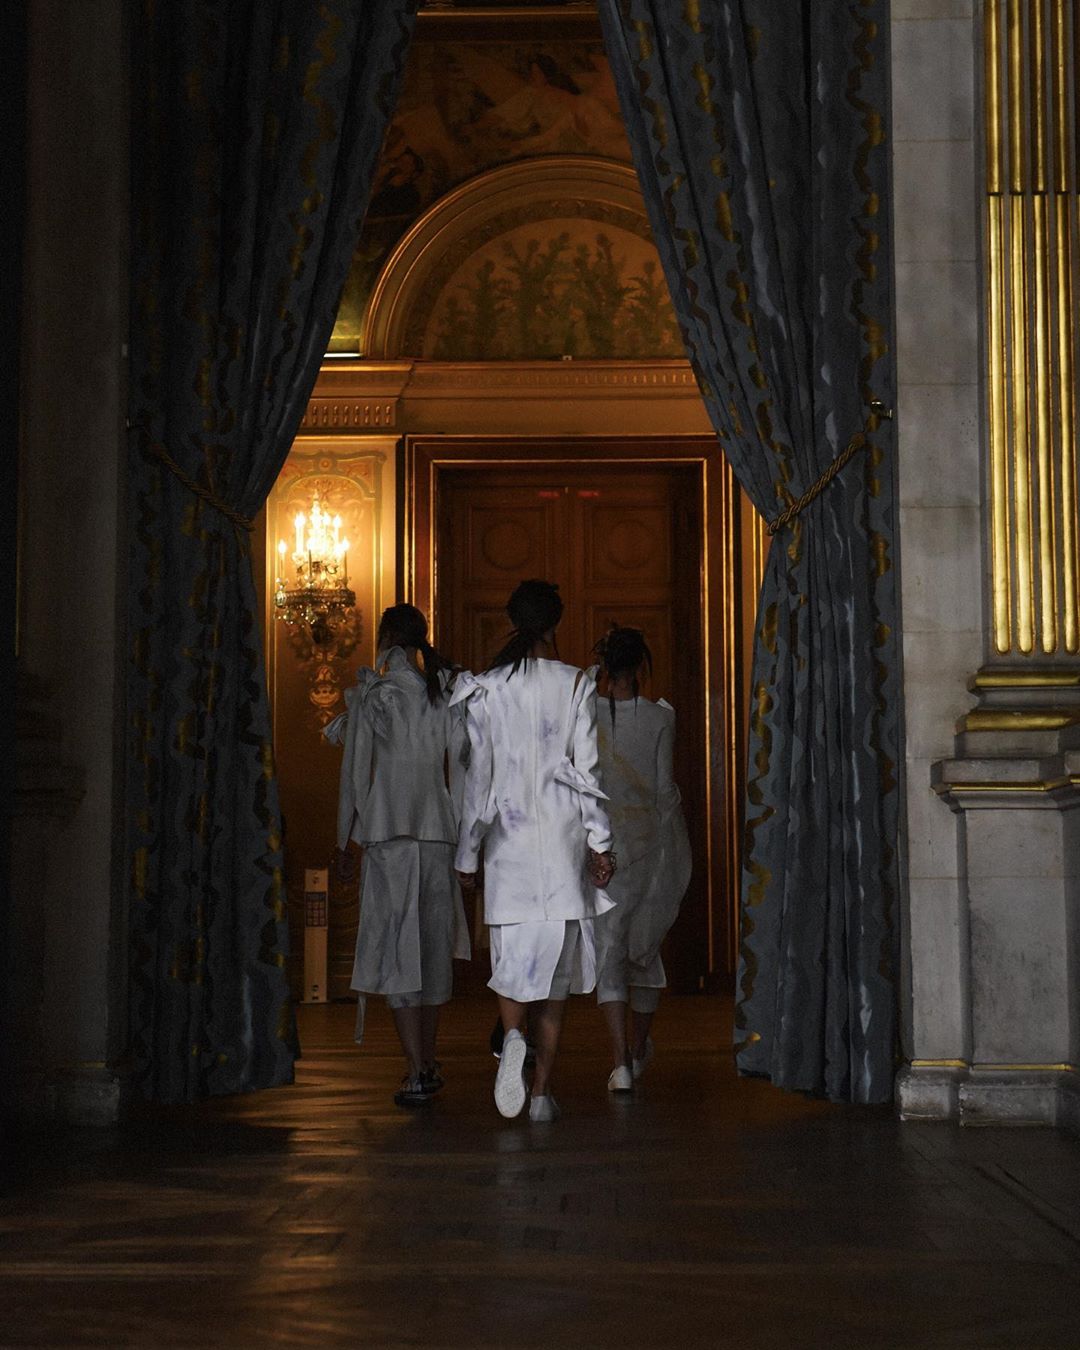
pixel 461 397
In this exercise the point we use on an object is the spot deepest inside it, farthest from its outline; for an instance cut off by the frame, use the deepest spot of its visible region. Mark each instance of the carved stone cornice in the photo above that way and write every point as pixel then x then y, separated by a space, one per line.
pixel 514 379
pixel 356 396
pixel 1051 783
pixel 347 414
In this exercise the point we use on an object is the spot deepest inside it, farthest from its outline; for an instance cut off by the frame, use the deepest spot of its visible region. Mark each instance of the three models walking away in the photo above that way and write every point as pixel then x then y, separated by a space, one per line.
pixel 533 805
pixel 636 745
pixel 401 738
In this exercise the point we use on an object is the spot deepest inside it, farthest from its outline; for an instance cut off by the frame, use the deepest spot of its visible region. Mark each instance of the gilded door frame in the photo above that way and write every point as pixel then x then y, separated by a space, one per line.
pixel 425 457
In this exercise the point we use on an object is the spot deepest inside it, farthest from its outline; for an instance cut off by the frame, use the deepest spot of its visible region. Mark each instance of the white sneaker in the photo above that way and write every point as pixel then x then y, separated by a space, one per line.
pixel 544 1109
pixel 510 1090
pixel 620 1080
pixel 640 1065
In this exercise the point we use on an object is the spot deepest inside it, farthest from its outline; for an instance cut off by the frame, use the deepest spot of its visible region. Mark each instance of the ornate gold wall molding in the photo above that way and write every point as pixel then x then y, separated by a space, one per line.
pixel 1032 119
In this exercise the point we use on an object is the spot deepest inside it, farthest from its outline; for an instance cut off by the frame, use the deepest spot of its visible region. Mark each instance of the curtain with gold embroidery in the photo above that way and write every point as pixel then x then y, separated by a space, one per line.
pixel 256 126
pixel 759 134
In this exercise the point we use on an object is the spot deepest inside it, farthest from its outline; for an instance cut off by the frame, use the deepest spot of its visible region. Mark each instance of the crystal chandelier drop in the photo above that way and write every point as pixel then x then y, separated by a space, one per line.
pixel 319 598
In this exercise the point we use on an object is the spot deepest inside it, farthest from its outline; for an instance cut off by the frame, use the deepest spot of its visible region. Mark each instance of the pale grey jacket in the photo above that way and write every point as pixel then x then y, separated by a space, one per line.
pixel 393 775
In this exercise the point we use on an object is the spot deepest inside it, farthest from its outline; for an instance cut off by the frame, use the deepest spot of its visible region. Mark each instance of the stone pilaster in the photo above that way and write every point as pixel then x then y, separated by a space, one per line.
pixel 1015 784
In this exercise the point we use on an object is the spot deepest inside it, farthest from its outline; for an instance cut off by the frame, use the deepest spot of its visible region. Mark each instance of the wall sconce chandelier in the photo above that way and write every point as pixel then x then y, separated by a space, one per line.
pixel 319 598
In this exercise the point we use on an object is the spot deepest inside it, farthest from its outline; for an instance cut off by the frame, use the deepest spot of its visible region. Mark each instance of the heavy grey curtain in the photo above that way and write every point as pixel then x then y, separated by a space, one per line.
pixel 256 125
pixel 759 134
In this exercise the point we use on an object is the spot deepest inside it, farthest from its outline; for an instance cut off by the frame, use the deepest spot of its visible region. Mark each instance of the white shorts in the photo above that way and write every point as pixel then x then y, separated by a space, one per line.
pixel 547 959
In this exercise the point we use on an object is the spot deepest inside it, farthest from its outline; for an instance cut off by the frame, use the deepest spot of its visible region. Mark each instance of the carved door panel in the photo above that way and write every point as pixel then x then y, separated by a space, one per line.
pixel 624 545
pixel 492 534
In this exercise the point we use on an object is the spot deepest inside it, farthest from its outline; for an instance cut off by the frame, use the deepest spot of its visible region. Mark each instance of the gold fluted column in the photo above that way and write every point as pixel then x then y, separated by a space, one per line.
pixel 1032 135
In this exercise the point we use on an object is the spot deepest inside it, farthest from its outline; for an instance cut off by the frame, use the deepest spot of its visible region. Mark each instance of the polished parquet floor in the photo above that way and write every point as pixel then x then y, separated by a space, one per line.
pixel 704 1211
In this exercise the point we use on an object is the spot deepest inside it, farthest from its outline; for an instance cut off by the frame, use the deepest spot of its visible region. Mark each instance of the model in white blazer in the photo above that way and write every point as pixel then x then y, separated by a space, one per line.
pixel 532 799
pixel 533 806
pixel 400 736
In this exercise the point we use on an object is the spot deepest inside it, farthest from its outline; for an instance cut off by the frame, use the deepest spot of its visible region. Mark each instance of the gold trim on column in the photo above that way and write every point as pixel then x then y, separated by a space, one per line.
pixel 1007 719
pixel 1031 322
pixel 1038 677
pixel 988 1067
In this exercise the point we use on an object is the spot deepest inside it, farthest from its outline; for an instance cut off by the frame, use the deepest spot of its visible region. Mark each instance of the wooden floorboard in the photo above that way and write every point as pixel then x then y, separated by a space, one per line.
pixel 702 1211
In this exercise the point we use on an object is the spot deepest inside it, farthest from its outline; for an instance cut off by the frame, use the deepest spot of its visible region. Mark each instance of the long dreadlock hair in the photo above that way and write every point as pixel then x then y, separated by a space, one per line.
pixel 534 609
pixel 622 651
pixel 405 626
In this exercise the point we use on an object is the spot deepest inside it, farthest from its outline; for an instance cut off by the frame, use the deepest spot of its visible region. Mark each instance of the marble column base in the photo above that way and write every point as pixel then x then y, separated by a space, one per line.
pixel 989 1096
pixel 1015 782
pixel 92 1095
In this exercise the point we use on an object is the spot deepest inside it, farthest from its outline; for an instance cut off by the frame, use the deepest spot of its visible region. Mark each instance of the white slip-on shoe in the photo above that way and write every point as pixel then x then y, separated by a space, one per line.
pixel 640 1065
pixel 620 1080
pixel 544 1109
pixel 510 1090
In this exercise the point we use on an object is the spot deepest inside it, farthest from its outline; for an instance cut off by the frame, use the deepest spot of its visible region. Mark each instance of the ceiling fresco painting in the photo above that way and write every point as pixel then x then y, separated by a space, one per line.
pixel 467 107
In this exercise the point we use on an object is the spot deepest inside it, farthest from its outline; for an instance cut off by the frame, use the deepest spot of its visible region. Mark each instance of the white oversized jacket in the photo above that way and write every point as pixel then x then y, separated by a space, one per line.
pixel 531 799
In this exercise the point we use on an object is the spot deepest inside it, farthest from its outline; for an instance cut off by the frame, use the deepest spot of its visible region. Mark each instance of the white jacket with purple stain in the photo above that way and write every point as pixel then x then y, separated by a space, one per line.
pixel 532 801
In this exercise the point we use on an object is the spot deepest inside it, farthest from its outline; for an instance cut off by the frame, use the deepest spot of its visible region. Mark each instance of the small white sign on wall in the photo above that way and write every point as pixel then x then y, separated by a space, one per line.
pixel 316 923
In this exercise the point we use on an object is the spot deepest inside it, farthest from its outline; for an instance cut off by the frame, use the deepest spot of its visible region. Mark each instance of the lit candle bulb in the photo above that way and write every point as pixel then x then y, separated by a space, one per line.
pixel 299 523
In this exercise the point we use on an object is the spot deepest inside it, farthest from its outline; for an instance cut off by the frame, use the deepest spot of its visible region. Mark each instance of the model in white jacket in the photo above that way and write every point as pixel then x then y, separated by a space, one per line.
pixel 636 739
pixel 533 806
pixel 400 737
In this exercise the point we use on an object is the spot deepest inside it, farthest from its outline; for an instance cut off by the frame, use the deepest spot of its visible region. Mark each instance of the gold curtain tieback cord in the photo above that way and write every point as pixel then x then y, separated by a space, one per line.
pixel 858 442
pixel 204 494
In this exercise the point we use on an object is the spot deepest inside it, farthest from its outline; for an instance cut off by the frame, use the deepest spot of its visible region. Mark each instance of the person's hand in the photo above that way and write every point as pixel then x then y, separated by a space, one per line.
pixel 467 881
pixel 345 860
pixel 600 868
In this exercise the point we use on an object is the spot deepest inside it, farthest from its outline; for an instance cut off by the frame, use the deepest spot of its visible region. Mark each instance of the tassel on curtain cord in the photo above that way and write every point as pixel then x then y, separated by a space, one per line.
pixel 159 452
pixel 859 441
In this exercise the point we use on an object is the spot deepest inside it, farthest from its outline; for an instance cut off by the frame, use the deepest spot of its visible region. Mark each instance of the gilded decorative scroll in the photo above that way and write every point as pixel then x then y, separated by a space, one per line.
pixel 1032 112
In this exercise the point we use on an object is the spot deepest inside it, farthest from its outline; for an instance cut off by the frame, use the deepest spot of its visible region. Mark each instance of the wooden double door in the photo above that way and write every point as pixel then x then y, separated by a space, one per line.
pixel 624 544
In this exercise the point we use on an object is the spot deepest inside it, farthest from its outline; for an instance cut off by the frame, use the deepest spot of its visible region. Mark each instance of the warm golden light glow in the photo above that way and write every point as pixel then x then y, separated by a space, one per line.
pixel 319 594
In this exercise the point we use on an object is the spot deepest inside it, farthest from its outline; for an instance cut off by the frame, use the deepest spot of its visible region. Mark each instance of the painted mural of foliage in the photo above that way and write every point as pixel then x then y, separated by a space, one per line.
pixel 555 297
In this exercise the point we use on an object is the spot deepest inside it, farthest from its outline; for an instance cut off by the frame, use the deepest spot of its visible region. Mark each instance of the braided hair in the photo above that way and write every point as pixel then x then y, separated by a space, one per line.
pixel 535 608
pixel 405 626
pixel 623 652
